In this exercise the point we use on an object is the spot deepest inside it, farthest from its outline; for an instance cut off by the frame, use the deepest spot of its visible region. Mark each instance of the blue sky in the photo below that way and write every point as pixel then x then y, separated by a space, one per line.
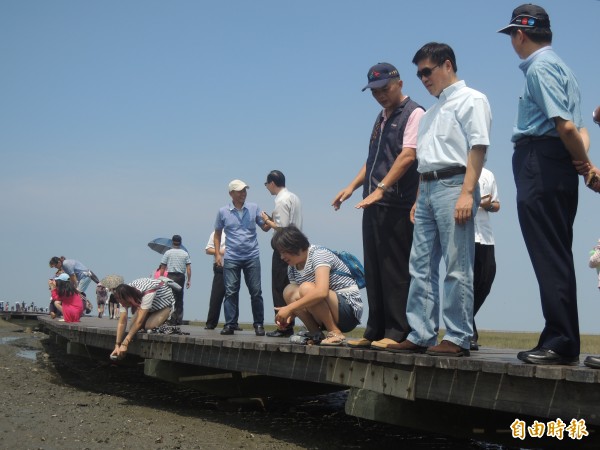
pixel 123 121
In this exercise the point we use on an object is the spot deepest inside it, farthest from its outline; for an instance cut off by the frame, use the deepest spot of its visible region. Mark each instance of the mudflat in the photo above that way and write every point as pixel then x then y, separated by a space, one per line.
pixel 51 400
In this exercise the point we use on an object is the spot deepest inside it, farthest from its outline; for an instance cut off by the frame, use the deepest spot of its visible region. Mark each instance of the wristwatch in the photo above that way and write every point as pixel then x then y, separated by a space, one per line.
pixel 382 187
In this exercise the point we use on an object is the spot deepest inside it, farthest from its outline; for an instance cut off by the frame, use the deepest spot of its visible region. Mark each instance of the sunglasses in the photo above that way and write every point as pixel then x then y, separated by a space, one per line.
pixel 426 71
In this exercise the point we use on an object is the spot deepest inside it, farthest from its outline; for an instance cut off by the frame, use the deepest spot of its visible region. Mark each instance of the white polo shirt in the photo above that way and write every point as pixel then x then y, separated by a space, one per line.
pixel 459 120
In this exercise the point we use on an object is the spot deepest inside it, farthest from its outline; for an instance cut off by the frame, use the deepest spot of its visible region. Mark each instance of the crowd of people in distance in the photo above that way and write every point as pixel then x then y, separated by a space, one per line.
pixel 426 196
pixel 20 307
pixel 152 302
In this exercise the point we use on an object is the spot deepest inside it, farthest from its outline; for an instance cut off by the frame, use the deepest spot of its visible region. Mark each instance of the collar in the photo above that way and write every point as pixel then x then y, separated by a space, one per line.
pixel 450 90
pixel 398 108
pixel 529 60
pixel 232 206
pixel 281 191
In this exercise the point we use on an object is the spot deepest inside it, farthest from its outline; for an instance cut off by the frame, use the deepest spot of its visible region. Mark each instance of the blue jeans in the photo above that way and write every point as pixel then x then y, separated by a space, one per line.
pixel 83 283
pixel 437 235
pixel 232 271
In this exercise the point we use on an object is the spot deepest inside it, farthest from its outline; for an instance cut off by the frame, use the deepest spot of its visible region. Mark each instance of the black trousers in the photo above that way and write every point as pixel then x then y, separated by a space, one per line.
pixel 387 239
pixel 547 195
pixel 217 294
pixel 177 315
pixel 484 272
pixel 279 280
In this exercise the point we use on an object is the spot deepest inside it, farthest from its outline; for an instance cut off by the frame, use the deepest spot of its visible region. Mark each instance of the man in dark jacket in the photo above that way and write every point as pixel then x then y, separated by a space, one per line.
pixel 389 178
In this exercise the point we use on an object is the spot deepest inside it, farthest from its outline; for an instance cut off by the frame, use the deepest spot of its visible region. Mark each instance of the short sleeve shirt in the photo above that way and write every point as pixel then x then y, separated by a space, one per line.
pixel 176 260
pixel 157 295
pixel 551 90
pixel 240 226
pixel 461 119
pixel 72 266
pixel 483 226
pixel 342 284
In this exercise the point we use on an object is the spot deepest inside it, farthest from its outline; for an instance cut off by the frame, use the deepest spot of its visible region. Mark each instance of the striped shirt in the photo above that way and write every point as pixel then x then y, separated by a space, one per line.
pixel 156 294
pixel 176 260
pixel 343 285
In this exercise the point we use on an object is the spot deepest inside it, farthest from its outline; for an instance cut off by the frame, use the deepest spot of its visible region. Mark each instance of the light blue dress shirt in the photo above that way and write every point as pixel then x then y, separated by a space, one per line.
pixel 551 90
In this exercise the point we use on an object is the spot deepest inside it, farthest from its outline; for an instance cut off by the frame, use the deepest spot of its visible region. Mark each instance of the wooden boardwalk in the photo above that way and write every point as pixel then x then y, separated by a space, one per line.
pixel 478 395
pixel 22 315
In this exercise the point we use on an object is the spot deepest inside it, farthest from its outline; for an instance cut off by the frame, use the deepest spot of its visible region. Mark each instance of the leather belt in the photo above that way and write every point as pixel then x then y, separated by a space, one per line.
pixel 531 139
pixel 443 173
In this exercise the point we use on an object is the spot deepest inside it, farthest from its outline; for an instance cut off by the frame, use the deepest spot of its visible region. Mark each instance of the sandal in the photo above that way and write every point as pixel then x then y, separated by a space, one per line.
pixel 334 339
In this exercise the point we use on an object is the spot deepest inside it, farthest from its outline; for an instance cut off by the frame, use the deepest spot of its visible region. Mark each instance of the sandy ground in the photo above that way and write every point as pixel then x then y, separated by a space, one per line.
pixel 50 400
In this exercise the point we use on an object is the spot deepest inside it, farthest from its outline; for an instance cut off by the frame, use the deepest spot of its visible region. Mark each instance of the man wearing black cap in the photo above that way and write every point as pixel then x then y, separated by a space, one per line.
pixel 389 179
pixel 550 148
pixel 177 263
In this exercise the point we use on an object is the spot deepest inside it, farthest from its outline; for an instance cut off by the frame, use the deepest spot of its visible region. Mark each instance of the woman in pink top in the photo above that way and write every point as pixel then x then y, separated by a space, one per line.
pixel 62 291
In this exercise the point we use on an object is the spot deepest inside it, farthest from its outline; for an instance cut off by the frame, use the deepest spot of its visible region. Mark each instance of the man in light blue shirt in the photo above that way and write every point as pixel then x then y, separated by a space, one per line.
pixel 550 149
pixel 239 220
pixel 452 141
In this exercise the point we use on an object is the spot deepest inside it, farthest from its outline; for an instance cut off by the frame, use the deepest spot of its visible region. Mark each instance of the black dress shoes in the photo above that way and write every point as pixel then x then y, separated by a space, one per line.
pixel 259 330
pixel 238 328
pixel 209 327
pixel 474 345
pixel 521 355
pixel 286 332
pixel 549 357
pixel 592 361
pixel 227 331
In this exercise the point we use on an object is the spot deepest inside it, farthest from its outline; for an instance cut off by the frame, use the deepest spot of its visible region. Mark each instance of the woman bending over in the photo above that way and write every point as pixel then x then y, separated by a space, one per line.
pixel 150 300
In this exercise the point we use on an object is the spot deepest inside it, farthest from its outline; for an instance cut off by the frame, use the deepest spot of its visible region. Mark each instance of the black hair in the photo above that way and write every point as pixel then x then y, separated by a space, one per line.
pixel 65 288
pixel 289 240
pixel 55 260
pixel 124 291
pixel 438 53
pixel 537 35
pixel 276 177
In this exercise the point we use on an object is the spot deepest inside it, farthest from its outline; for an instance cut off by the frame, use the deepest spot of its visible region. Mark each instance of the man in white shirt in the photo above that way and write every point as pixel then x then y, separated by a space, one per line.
pixel 484 269
pixel 451 144
pixel 288 211
pixel 217 292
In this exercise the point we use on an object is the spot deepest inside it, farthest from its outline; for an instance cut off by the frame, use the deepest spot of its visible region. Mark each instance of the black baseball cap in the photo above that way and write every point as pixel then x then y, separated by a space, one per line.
pixel 527 16
pixel 380 75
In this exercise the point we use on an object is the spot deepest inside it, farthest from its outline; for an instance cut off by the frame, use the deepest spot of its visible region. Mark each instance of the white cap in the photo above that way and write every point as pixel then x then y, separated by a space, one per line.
pixel 237 185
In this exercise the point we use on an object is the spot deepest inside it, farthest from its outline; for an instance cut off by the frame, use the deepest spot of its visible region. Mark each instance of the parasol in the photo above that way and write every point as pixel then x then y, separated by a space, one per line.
pixel 161 245
pixel 112 281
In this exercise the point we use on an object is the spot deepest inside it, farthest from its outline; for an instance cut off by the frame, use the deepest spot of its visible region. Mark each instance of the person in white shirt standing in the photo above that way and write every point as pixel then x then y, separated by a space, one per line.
pixel 452 141
pixel 217 291
pixel 484 269
pixel 288 211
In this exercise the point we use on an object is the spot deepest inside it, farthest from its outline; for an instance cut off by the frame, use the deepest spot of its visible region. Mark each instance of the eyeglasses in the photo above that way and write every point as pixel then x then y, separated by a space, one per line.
pixel 426 71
